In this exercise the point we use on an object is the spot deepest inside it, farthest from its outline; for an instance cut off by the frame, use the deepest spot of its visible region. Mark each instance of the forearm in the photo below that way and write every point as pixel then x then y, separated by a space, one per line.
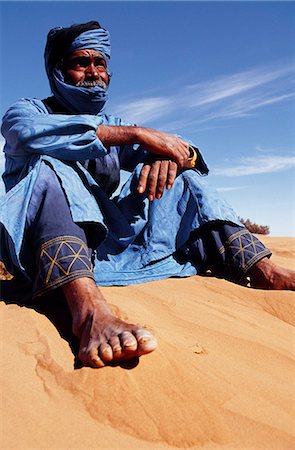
pixel 157 142
pixel 119 135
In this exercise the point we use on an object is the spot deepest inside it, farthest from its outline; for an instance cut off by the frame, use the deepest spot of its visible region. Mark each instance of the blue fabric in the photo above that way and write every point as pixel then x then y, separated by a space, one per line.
pixel 54 249
pixel 227 250
pixel 160 228
pixel 78 99
pixel 30 132
pixel 141 237
pixel 98 40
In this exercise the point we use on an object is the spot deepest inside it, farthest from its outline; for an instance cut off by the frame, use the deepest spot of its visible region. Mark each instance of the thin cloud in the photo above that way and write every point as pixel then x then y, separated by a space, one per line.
pixel 219 99
pixel 257 165
pixel 231 85
pixel 145 110
pixel 231 188
pixel 243 107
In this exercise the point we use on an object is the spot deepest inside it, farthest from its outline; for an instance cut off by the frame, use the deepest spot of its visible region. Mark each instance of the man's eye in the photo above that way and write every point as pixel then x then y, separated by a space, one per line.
pixel 81 62
pixel 99 62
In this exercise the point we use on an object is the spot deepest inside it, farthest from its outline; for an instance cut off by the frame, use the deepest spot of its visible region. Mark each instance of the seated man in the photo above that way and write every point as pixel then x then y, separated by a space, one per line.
pixel 60 228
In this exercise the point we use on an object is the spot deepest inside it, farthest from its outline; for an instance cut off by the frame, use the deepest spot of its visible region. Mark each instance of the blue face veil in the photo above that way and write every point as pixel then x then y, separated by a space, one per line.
pixel 75 99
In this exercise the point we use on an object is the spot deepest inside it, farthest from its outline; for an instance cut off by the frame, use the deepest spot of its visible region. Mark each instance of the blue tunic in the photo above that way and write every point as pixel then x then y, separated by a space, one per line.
pixel 141 236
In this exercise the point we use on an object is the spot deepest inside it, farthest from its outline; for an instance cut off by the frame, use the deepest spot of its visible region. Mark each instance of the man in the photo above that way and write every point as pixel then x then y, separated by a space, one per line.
pixel 60 228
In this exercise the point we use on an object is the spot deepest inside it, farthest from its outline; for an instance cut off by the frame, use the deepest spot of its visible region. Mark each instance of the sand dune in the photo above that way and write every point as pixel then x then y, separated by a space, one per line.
pixel 222 378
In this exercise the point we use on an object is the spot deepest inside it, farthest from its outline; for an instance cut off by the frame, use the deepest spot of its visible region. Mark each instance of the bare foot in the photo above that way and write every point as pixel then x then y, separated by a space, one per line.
pixel 103 337
pixel 267 275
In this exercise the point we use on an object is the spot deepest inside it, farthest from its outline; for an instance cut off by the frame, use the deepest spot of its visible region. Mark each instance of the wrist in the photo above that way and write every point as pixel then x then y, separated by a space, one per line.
pixel 102 133
pixel 140 135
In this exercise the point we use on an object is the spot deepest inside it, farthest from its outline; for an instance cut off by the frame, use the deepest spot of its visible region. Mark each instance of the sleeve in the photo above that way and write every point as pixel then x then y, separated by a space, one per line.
pixel 131 155
pixel 28 129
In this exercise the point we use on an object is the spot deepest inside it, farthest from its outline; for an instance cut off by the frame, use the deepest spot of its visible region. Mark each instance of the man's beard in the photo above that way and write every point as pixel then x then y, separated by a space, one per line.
pixel 90 84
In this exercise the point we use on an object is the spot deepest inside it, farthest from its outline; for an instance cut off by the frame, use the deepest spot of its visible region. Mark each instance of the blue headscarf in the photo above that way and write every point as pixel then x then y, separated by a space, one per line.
pixel 75 99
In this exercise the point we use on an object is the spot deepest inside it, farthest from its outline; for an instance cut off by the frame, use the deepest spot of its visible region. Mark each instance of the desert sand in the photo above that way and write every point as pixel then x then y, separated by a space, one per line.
pixel 223 376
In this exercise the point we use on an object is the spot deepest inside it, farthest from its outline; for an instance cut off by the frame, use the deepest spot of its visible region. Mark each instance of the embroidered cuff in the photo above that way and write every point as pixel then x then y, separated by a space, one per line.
pixel 242 250
pixel 60 260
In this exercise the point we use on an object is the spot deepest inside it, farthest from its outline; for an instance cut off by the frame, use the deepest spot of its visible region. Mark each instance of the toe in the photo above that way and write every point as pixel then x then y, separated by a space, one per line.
pixel 106 352
pixel 116 347
pixel 128 342
pixel 146 342
pixel 89 357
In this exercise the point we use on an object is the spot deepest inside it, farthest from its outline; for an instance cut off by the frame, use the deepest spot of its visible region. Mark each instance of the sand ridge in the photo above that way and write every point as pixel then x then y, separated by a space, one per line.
pixel 223 376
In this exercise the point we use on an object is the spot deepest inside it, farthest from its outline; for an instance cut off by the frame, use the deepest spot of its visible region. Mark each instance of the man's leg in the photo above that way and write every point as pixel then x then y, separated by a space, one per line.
pixel 233 253
pixel 103 337
pixel 63 260
pixel 267 275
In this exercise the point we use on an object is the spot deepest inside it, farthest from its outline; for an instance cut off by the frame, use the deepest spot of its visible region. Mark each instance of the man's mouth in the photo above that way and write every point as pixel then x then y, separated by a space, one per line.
pixel 91 84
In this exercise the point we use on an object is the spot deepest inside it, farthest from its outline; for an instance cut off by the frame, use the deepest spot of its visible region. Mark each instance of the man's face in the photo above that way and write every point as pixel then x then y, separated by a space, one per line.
pixel 85 68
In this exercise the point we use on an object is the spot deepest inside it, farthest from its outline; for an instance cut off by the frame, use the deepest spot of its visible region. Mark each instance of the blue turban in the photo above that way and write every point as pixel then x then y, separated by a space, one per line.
pixel 78 100
pixel 98 40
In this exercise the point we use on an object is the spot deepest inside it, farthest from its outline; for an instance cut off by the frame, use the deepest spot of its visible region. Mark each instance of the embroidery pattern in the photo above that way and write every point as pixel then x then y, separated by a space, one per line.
pixel 242 250
pixel 62 259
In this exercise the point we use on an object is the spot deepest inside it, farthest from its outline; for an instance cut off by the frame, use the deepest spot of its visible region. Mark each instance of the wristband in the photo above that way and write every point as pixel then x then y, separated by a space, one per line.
pixel 192 160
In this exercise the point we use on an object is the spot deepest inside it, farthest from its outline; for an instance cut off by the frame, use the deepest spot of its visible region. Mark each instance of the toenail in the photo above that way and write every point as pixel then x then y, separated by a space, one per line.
pixel 145 338
pixel 129 344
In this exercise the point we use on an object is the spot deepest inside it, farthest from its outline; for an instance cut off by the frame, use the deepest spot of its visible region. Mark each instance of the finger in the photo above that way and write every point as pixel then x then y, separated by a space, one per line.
pixel 172 172
pixel 143 178
pixel 182 148
pixel 153 180
pixel 180 158
pixel 162 178
pixel 185 147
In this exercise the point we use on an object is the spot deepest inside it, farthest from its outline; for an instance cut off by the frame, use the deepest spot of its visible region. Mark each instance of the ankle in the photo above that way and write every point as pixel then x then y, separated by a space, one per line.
pixel 83 296
pixel 262 273
pixel 264 266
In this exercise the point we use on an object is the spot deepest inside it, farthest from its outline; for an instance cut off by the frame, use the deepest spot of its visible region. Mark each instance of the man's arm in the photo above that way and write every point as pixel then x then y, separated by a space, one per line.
pixel 28 128
pixel 170 153
pixel 157 142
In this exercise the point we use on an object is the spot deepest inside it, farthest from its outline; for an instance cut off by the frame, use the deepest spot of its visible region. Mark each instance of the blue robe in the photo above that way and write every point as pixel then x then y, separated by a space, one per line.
pixel 141 237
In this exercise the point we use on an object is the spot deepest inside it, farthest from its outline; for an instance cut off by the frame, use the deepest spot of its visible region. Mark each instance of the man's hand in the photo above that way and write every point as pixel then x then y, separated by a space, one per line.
pixel 163 144
pixel 155 175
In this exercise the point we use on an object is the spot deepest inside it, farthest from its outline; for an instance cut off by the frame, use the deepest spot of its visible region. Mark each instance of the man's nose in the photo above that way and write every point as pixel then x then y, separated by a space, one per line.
pixel 92 71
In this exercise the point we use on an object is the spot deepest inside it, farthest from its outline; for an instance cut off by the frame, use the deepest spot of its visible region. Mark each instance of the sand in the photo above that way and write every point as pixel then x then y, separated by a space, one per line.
pixel 222 378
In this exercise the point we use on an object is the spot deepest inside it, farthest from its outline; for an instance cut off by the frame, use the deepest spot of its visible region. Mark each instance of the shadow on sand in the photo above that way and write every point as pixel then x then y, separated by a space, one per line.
pixel 55 308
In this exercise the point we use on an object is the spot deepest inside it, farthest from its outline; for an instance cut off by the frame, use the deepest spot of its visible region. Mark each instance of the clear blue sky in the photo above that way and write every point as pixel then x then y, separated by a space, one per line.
pixel 220 73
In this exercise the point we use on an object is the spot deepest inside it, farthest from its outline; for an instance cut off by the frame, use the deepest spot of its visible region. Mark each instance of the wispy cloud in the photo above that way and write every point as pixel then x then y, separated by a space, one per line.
pixel 257 165
pixel 144 110
pixel 231 188
pixel 230 85
pixel 222 98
